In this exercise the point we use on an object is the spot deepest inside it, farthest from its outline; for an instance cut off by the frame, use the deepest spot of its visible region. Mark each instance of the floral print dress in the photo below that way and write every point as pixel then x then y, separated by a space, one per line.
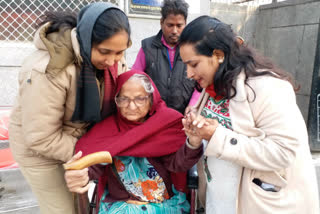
pixel 143 182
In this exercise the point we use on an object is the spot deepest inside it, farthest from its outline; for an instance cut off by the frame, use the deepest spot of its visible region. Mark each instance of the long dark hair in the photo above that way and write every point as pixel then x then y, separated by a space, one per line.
pixel 60 21
pixel 207 34
pixel 108 24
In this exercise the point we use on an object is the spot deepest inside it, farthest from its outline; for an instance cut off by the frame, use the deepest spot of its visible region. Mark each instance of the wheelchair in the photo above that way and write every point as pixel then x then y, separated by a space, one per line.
pixel 89 206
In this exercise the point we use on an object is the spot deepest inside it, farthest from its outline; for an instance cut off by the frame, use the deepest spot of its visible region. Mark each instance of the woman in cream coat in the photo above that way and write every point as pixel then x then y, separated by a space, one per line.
pixel 257 159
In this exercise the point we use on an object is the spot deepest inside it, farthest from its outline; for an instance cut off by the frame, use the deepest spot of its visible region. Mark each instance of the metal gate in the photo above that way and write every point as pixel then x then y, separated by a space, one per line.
pixel 17 17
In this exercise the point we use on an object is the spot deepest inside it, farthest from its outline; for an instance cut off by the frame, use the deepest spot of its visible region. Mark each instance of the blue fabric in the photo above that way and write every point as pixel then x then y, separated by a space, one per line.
pixel 141 179
pixel 143 182
pixel 176 204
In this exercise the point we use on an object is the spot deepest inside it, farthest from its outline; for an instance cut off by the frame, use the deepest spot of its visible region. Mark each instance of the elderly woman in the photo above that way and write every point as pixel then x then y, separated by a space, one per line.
pixel 147 142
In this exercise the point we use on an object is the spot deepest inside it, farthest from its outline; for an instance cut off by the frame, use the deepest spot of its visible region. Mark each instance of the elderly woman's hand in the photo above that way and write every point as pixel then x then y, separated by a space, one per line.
pixel 193 137
pixel 198 127
pixel 77 180
pixel 205 127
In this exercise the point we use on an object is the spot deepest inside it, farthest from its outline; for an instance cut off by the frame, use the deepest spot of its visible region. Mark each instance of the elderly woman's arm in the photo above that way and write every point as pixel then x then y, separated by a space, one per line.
pixel 183 159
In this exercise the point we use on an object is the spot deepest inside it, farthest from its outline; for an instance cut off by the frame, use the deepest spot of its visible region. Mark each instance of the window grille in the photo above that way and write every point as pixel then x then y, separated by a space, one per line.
pixel 18 17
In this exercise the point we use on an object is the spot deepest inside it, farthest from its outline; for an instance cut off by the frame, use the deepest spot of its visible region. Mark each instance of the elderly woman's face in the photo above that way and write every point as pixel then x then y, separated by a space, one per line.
pixel 133 101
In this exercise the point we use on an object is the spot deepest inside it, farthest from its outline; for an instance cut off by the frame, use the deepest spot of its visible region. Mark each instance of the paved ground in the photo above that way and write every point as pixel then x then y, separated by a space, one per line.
pixel 16 196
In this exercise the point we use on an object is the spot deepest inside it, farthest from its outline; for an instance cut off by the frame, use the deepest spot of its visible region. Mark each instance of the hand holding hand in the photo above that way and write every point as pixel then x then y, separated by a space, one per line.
pixel 194 138
pixel 189 109
pixel 77 180
pixel 205 126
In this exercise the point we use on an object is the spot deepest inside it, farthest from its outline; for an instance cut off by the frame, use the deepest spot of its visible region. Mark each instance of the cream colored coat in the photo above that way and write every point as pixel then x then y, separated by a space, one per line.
pixel 40 128
pixel 270 142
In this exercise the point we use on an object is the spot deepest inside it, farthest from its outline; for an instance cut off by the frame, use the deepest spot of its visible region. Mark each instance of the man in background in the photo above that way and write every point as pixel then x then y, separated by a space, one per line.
pixel 160 58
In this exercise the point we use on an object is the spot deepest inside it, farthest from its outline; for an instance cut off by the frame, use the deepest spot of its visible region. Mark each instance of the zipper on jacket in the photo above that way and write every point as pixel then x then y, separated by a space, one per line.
pixel 169 79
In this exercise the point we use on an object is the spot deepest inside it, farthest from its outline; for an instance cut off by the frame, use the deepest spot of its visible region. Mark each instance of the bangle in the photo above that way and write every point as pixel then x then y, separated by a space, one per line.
pixel 191 146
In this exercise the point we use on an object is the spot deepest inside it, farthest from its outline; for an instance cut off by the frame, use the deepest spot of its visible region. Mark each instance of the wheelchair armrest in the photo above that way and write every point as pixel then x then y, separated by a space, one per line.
pixel 192 178
pixel 93 201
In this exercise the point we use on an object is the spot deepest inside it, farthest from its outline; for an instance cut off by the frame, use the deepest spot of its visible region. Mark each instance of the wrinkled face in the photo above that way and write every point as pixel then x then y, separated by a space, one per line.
pixel 109 51
pixel 201 68
pixel 172 27
pixel 133 90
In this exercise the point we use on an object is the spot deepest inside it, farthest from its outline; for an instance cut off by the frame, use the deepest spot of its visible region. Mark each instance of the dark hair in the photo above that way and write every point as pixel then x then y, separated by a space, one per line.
pixel 175 7
pixel 59 21
pixel 207 34
pixel 108 24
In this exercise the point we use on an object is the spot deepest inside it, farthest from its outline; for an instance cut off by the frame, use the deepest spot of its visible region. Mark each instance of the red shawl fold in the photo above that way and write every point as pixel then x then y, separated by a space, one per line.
pixel 161 134
pixel 110 78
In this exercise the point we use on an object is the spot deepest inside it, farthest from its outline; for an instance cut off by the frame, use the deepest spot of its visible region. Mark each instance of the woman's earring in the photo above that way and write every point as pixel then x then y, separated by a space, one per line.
pixel 221 60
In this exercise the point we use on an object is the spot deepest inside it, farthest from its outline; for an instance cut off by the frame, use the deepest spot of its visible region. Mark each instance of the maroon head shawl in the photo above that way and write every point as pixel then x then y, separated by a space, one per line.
pixel 161 134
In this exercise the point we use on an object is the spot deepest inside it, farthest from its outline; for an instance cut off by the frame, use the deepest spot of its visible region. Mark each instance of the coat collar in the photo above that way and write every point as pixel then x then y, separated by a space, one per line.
pixel 63 48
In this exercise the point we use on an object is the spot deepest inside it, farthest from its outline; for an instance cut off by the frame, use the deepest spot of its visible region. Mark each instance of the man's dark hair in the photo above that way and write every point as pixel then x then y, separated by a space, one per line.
pixel 176 7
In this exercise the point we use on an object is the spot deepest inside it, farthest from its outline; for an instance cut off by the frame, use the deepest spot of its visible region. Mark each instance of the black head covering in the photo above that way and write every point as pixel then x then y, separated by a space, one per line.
pixel 87 107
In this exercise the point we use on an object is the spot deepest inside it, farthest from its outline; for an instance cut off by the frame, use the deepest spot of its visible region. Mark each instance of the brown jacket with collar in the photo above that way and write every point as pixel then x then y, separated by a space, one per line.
pixel 40 127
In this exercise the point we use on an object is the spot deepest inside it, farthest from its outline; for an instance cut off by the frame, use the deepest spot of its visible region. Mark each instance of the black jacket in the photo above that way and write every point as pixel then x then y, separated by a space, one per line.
pixel 174 86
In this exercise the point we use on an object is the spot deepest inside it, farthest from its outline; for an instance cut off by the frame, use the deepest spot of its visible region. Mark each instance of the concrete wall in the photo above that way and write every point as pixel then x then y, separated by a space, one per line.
pixel 285 31
pixel 141 29
pixel 241 18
